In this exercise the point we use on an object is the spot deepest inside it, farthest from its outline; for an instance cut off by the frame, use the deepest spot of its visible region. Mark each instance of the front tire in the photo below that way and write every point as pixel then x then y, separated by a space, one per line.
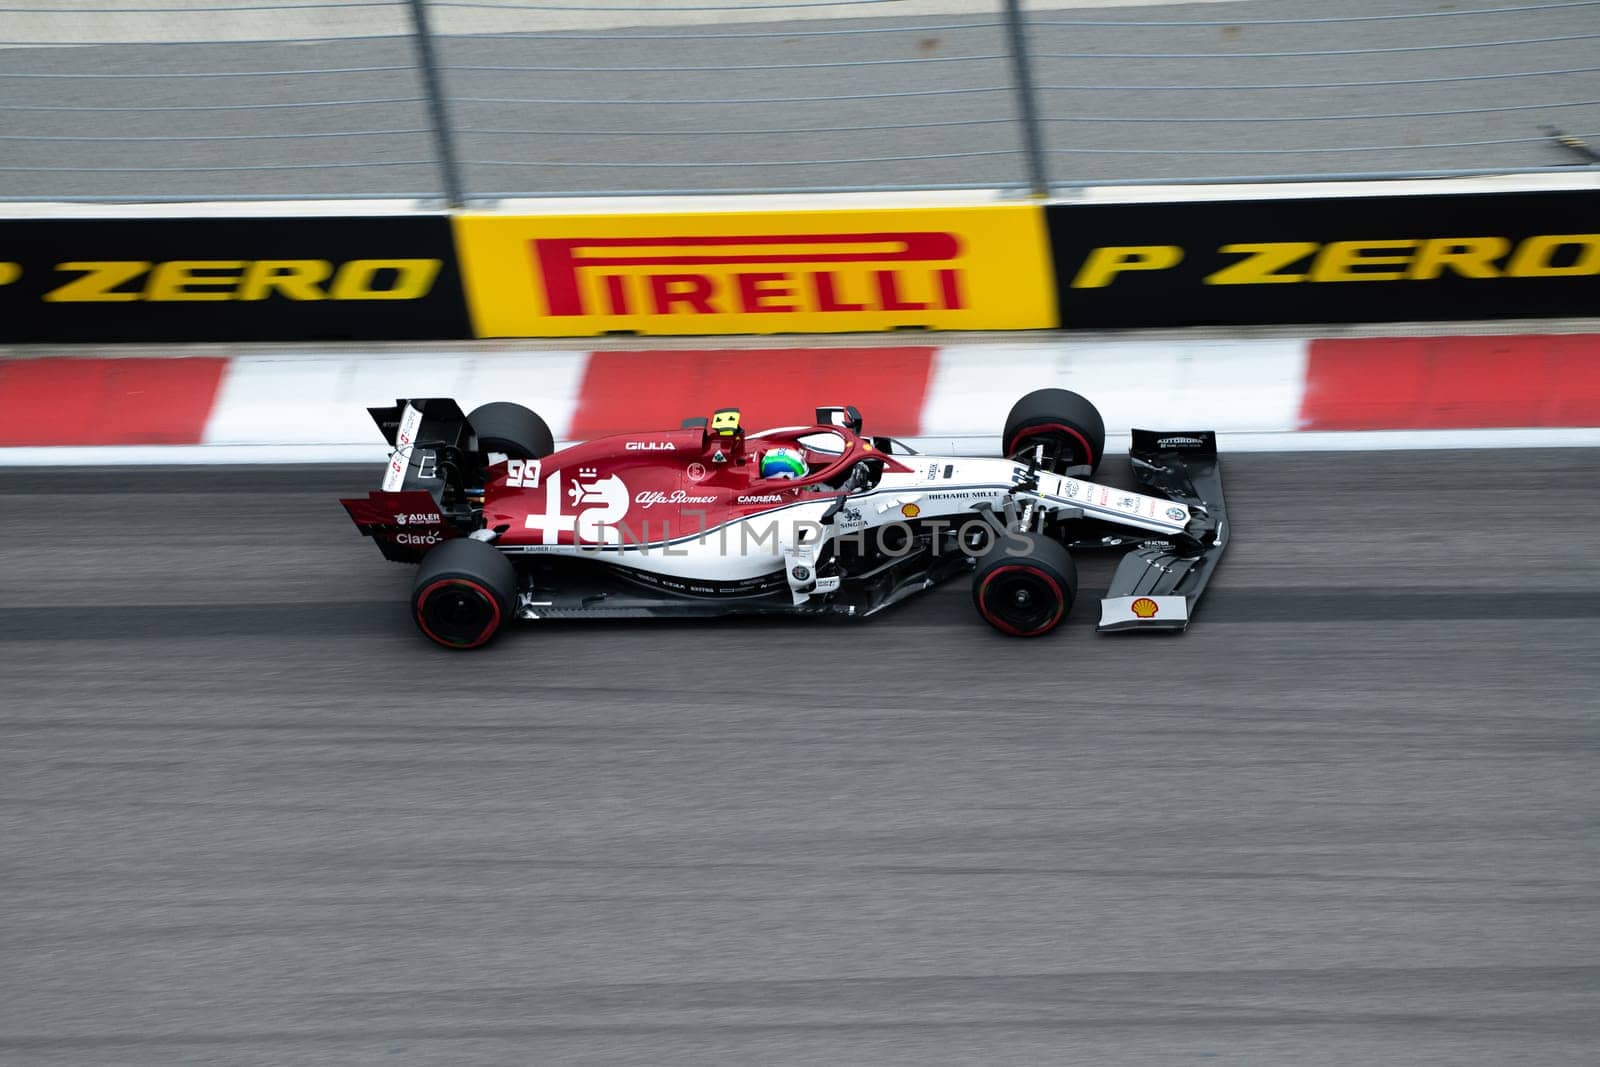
pixel 512 429
pixel 1067 424
pixel 1026 593
pixel 464 592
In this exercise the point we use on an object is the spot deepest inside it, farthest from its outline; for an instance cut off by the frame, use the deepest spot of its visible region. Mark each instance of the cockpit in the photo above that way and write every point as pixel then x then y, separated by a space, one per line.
pixel 824 456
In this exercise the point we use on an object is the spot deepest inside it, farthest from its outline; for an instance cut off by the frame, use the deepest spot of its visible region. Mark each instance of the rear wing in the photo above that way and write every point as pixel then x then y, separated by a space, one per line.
pixel 1157 585
pixel 425 494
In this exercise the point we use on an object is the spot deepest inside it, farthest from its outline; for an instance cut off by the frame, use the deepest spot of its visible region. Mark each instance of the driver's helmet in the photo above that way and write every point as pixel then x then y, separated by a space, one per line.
pixel 783 463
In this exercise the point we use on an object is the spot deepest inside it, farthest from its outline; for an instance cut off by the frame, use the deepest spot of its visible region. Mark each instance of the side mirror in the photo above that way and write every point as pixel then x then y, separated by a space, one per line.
pixel 845 415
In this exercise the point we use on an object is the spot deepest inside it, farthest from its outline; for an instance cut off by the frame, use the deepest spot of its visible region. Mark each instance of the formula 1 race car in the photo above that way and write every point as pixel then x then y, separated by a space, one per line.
pixel 805 520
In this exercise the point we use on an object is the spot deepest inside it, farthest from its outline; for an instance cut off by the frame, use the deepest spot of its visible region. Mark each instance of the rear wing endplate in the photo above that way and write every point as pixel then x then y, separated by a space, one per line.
pixel 417 431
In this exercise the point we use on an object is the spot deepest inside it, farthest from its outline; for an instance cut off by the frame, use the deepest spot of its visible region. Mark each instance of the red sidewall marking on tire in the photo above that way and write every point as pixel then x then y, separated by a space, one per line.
pixel 484 635
pixel 1001 624
pixel 1034 431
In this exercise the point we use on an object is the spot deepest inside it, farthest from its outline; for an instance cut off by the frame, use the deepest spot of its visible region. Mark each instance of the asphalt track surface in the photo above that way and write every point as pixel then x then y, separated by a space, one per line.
pixel 613 109
pixel 250 817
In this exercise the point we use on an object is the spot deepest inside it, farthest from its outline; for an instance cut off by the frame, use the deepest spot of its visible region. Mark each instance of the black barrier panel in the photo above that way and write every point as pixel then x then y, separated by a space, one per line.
pixel 230 279
pixel 1346 259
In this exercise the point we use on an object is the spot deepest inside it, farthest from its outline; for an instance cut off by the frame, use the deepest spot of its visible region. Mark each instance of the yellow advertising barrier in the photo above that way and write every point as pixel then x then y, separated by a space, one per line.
pixel 983 267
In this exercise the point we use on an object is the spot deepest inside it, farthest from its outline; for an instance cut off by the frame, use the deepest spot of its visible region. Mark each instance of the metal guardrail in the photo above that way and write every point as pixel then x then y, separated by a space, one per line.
pixel 467 100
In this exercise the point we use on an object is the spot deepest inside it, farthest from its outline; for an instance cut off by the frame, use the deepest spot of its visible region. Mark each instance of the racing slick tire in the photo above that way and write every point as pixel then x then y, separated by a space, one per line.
pixel 1069 426
pixel 1025 594
pixel 464 592
pixel 512 429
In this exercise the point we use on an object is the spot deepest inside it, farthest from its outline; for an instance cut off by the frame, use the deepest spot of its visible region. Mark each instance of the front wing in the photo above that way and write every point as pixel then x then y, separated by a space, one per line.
pixel 1157 585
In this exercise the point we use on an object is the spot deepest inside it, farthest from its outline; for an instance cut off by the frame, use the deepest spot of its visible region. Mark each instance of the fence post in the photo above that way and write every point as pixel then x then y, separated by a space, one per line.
pixel 1022 74
pixel 433 86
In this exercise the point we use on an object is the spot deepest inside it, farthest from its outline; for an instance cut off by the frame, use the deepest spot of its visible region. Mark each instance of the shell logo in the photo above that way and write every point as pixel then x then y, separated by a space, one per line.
pixel 1145 608
pixel 910 511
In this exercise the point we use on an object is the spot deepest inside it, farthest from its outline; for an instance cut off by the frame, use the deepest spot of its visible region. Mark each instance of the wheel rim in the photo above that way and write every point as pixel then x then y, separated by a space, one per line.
pixel 458 612
pixel 1021 600
pixel 1064 446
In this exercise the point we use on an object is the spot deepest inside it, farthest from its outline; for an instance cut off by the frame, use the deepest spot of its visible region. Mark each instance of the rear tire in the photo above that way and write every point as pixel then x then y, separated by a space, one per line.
pixel 1025 594
pixel 464 592
pixel 511 429
pixel 1068 425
